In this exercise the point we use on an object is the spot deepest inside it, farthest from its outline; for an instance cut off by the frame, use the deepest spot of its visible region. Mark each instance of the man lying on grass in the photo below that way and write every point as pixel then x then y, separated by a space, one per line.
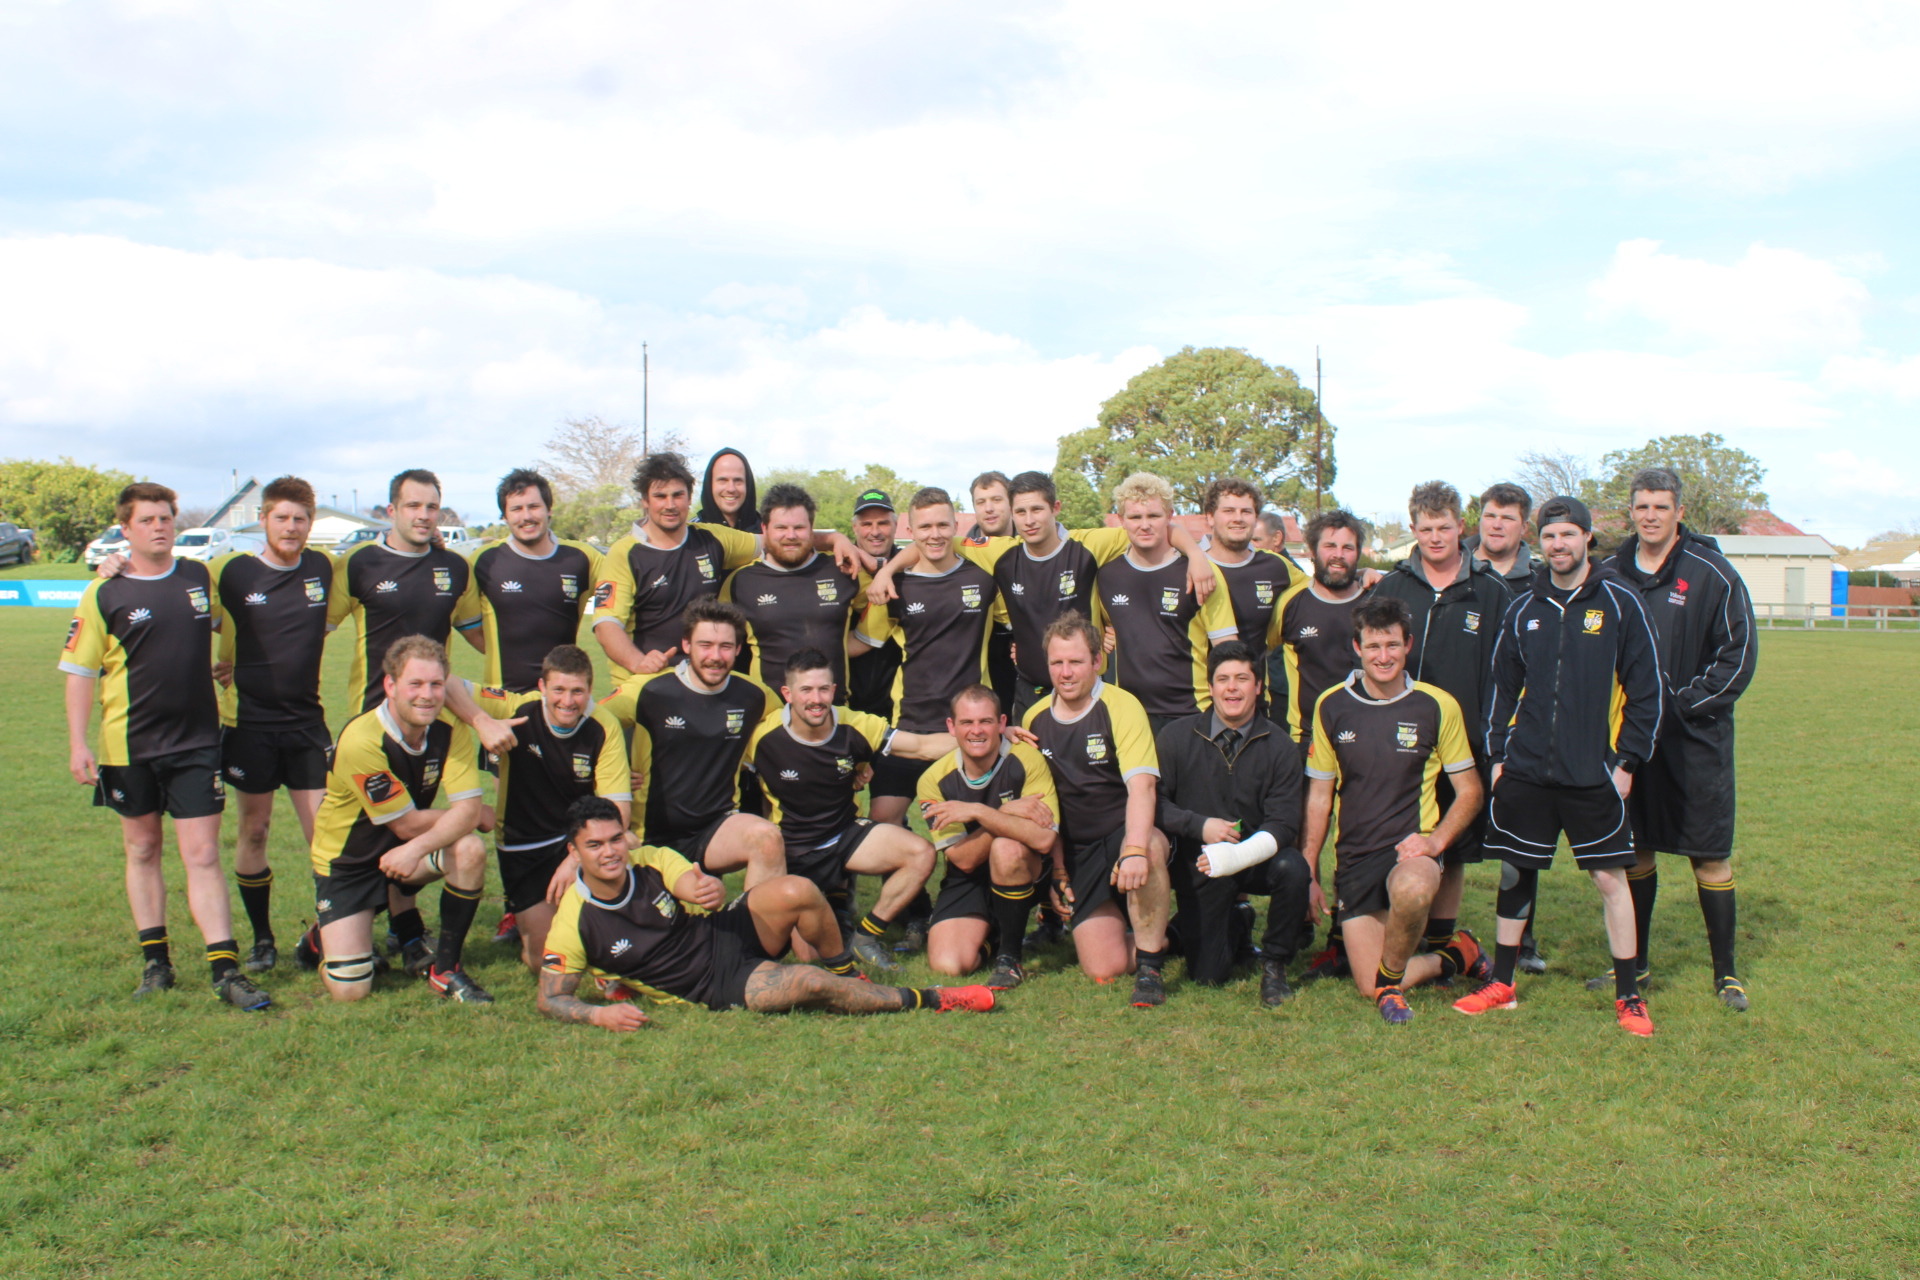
pixel 624 918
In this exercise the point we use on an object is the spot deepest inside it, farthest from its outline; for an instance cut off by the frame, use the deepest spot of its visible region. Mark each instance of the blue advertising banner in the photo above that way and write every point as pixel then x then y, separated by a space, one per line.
pixel 42 593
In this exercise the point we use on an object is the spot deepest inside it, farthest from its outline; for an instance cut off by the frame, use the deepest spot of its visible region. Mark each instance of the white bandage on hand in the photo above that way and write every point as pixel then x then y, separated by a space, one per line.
pixel 1228 858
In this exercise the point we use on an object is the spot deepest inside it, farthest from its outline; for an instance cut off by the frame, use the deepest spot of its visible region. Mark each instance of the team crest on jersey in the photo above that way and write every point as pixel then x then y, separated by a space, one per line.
pixel 1473 621
pixel 827 589
pixel 582 766
pixel 970 597
pixel 705 565
pixel 1593 620
pixel 443 579
pixel 1169 599
pixel 843 765
pixel 1096 747
pixel 378 787
pixel 430 774
pixel 664 904
pixel 569 587
pixel 1407 735
pixel 316 591
pixel 1067 583
pixel 1263 593
pixel 736 720
pixel 198 596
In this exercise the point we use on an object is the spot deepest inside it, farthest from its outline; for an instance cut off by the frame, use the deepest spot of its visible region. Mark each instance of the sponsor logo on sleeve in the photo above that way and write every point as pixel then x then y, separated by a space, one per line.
pixel 378 788
pixel 73 633
pixel 602 592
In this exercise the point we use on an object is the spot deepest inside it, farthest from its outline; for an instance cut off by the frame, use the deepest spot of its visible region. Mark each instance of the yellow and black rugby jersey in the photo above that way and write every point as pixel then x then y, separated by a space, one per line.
pixel 275 634
pixel 1254 588
pixel 1316 637
pixel 688 743
pixel 943 622
pixel 396 593
pixel 646 588
pixel 529 604
pixel 376 777
pixel 811 783
pixel 549 768
pixel 1034 590
pixel 1092 756
pixel 1020 771
pixel 812 607
pixel 1385 759
pixel 649 939
pixel 1161 634
pixel 150 642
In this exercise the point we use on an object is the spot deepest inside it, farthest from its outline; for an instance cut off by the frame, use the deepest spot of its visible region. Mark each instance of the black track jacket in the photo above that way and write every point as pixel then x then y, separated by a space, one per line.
pixel 1577 686
pixel 1703 617
pixel 1453 633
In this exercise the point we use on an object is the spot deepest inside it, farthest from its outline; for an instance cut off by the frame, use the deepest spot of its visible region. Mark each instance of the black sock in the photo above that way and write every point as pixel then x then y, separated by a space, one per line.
pixel 1716 908
pixel 223 958
pixel 1008 907
pixel 842 964
pixel 1645 887
pixel 255 893
pixel 1336 941
pixel 1144 959
pixel 921 908
pixel 457 910
pixel 1386 977
pixel 407 925
pixel 1504 959
pixel 1625 984
pixel 872 925
pixel 1440 931
pixel 918 998
pixel 153 946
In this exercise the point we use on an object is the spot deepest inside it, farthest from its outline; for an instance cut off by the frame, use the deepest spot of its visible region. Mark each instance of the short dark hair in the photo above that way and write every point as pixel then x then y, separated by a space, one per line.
pixel 419 475
pixel 567 660
pixel 1655 480
pixel 1508 495
pixel 1234 488
pixel 805 660
pixel 663 467
pixel 929 497
pixel 781 496
pixel 1235 651
pixel 1272 521
pixel 1434 498
pixel 713 609
pixel 143 491
pixel 590 809
pixel 1070 624
pixel 1378 613
pixel 286 489
pixel 1032 482
pixel 1335 519
pixel 523 478
pixel 975 692
pixel 989 478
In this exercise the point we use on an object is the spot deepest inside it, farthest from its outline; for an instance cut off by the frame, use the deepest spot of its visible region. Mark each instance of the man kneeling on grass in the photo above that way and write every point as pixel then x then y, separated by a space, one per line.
pixel 624 918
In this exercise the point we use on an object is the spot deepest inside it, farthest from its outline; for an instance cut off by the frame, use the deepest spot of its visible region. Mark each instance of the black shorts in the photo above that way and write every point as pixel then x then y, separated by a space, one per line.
pixel 691 845
pixel 261 761
pixel 183 784
pixel 1360 882
pixel 1683 799
pixel 1090 868
pixel 1525 819
pixel 896 776
pixel 970 893
pixel 349 890
pixel 826 864
pixel 525 873
pixel 1470 845
pixel 737 952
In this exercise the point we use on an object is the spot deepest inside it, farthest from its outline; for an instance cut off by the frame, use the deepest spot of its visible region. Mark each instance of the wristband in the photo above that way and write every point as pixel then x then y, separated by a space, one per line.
pixel 1129 851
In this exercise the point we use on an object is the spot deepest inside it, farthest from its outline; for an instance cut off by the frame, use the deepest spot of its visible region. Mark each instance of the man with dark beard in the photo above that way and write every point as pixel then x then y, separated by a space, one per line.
pixel 1313 623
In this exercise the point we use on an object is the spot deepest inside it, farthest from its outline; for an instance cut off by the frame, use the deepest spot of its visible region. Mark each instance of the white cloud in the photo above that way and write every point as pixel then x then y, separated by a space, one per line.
pixel 1772 302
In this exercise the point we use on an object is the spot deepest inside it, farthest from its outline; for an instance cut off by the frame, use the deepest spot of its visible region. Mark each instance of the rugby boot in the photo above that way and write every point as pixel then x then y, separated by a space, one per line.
pixel 1274 990
pixel 263 957
pixel 1007 973
pixel 1491 995
pixel 1149 988
pixel 157 976
pixel 1632 1013
pixel 1732 994
pixel 1392 1003
pixel 238 990
pixel 969 999
pixel 455 985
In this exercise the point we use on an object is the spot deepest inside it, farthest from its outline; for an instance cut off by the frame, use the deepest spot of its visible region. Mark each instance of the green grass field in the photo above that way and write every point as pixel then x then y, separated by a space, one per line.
pixel 1063 1135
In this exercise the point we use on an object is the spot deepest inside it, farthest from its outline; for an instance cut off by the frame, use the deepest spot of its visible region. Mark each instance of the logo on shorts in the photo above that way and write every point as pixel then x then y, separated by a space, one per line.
pixel 510 586
pixel 569 586
pixel 323 906
pixel 767 599
pixel 118 794
pixel 916 607
pixel 236 771
pixel 970 598
pixel 198 597
pixel 1067 582
pixel 621 947
pixel 1096 747
pixel 736 720
pixel 1169 599
pixel 665 906
pixel 377 787
pixel 1593 620
pixel 1407 735
pixel 827 589
pixel 1121 599
pixel 430 775
pixel 388 585
pixel 790 775
pixel 582 766
pixel 443 580
pixel 705 565
pixel 1307 633
pixel 256 597
pixel 316 591
pixel 139 615
pixel 1473 621
pixel 674 722
pixel 1263 593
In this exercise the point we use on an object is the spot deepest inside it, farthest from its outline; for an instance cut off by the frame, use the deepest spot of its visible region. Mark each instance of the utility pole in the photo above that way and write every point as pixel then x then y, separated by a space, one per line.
pixel 356 500
pixel 1319 435
pixel 645 447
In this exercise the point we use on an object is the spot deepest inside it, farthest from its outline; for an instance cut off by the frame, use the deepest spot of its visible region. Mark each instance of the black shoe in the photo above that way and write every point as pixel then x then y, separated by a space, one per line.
pixel 1007 973
pixel 870 951
pixel 1245 949
pixel 1149 988
pixel 1530 961
pixel 306 952
pixel 1049 932
pixel 1328 964
pixel 1605 981
pixel 1274 989
pixel 417 957
pixel 263 957
pixel 913 939
pixel 157 976
pixel 237 989
pixel 1731 994
pixel 457 987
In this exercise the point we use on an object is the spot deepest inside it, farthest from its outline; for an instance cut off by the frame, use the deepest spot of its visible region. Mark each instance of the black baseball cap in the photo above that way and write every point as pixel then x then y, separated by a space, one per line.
pixel 872 498
pixel 1565 511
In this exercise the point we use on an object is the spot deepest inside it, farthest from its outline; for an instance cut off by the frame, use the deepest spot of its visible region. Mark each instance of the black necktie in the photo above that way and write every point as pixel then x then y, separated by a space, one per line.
pixel 1229 739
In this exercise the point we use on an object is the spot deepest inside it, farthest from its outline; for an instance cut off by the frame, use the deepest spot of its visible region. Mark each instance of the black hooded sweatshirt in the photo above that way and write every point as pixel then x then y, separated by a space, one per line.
pixel 710 512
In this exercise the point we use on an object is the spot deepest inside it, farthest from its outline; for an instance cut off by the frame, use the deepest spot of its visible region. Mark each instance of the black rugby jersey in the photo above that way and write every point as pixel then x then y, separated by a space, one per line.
pixel 1034 590
pixel 1254 589
pixel 811 607
pixel 647 938
pixel 870 678
pixel 275 635
pixel 1161 634
pixel 376 777
pixel 529 604
pixel 150 642
pixel 942 622
pixel 1092 756
pixel 548 769
pixel 1385 759
pixel 688 744
pixel 1019 771
pixel 646 588
pixel 811 783
pixel 393 594
pixel 1317 638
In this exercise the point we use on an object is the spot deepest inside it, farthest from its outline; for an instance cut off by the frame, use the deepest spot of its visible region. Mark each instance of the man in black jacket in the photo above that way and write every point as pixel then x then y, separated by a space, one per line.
pixel 1576 711
pixel 1683 799
pixel 1230 802
pixel 1456 603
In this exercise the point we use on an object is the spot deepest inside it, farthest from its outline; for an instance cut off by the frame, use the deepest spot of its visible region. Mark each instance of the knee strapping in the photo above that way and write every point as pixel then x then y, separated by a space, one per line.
pixel 349 969
pixel 1518 885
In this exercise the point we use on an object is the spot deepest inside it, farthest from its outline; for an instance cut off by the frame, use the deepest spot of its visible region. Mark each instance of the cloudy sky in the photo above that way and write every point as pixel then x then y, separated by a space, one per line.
pixel 342 239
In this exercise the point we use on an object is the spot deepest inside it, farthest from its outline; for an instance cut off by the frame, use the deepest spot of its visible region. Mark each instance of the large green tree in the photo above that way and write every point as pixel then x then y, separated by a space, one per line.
pixel 1204 414
pixel 65 503
pixel 1720 483
pixel 833 492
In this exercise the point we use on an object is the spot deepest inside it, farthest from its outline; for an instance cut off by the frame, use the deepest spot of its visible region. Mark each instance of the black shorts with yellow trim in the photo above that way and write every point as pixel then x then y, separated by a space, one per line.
pixel 1090 870
pixel 261 761
pixel 896 776
pixel 826 863
pixel 970 893
pixel 525 873
pixel 737 952
pixel 182 784
pixel 1360 882
pixel 1525 820
pixel 691 844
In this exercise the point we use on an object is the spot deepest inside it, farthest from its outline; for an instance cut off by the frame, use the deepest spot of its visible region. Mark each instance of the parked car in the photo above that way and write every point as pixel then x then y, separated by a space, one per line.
pixel 355 538
pixel 111 543
pixel 209 543
pixel 16 544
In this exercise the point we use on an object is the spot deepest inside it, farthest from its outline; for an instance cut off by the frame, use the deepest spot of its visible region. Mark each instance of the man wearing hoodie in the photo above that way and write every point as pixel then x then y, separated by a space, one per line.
pixel 728 494
pixel 1456 603
pixel 1683 802
pixel 1575 713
